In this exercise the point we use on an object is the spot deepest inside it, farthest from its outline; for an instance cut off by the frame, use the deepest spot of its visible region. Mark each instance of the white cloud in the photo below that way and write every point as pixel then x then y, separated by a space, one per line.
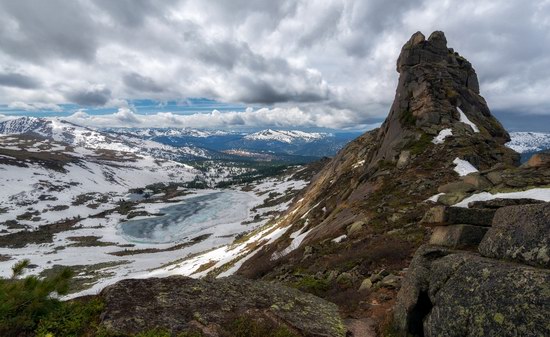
pixel 280 117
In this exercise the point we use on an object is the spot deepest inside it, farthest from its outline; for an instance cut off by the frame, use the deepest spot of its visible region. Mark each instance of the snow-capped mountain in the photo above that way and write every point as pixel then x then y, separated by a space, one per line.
pixel 167 132
pixel 288 146
pixel 286 136
pixel 78 136
pixel 529 141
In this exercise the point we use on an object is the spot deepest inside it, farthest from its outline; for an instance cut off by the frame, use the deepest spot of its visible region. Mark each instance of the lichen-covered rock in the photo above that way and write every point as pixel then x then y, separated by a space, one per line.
pixel 520 233
pixel 180 303
pixel 453 293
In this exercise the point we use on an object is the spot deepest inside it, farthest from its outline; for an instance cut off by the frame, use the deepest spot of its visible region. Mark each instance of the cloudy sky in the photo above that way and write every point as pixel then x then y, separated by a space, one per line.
pixel 288 64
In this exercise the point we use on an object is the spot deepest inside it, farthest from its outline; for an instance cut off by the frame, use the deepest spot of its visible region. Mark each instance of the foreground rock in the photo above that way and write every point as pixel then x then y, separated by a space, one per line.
pixel 454 293
pixel 182 304
pixel 520 233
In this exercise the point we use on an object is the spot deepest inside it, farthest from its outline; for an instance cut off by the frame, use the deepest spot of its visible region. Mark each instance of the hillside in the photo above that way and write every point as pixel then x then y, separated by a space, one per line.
pixel 358 222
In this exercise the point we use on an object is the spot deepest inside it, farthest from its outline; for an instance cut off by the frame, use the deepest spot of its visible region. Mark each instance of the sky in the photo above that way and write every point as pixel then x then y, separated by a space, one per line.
pixel 263 63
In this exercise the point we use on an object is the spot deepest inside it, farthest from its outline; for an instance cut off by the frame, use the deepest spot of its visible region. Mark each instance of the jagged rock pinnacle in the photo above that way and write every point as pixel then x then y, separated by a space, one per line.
pixel 435 85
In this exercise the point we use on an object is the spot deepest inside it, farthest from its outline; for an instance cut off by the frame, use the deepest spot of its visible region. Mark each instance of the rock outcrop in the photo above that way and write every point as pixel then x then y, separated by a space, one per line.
pixel 181 304
pixel 495 292
pixel 454 293
pixel 520 233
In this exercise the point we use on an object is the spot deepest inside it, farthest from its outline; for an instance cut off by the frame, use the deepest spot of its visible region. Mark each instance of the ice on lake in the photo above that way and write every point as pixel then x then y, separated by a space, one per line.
pixel 194 216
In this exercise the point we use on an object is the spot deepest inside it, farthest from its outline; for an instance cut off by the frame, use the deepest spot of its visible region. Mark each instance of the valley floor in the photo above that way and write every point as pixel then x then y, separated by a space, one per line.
pixel 155 233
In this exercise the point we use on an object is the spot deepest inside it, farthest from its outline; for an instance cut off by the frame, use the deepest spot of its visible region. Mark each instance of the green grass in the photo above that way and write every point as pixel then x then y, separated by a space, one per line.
pixel 312 285
pixel 419 146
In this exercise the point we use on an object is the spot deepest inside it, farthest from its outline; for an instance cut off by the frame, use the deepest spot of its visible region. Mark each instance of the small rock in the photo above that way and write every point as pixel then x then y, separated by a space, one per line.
pixel 366 284
pixel 495 177
pixel 391 281
pixel 404 159
pixel 452 198
pixel 478 181
pixel 332 275
pixel 498 203
pixel 355 228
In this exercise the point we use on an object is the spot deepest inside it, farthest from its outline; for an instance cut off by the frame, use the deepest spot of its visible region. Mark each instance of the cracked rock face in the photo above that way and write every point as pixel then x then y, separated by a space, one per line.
pixel 454 293
pixel 520 233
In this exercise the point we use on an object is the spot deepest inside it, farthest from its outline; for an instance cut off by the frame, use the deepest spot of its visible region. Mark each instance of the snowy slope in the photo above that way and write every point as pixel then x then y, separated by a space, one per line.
pixel 33 169
pixel 285 136
pixel 74 135
pixel 529 141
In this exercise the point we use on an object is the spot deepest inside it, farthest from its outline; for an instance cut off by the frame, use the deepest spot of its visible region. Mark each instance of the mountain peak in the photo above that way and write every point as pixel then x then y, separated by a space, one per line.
pixel 438 90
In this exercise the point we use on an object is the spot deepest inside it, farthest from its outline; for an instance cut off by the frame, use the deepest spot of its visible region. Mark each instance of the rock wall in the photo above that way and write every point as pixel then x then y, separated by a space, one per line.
pixel 493 292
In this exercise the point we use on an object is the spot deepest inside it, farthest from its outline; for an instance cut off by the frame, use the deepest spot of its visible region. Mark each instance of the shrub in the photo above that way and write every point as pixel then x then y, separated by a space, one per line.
pixel 71 319
pixel 312 285
pixel 23 302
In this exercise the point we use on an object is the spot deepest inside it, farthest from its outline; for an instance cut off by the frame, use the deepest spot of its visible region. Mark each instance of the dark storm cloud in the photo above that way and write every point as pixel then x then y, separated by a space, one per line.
pixel 264 92
pixel 141 83
pixel 329 62
pixel 129 12
pixel 90 96
pixel 16 80
pixel 39 30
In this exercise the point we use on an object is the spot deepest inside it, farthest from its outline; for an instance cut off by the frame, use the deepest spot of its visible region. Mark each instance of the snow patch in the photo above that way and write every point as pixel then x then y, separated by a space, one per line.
pixel 464 119
pixel 463 167
pixel 358 164
pixel 435 198
pixel 535 193
pixel 440 138
pixel 340 238
pixel 297 238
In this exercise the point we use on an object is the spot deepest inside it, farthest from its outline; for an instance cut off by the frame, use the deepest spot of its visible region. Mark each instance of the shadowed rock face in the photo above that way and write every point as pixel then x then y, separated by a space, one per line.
pixel 454 293
pixel 181 304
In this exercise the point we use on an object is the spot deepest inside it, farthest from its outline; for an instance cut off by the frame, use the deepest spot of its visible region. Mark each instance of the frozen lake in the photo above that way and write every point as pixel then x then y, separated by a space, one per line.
pixel 195 215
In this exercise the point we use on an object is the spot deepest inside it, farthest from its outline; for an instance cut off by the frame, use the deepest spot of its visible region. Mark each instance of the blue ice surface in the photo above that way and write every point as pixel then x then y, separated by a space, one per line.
pixel 194 216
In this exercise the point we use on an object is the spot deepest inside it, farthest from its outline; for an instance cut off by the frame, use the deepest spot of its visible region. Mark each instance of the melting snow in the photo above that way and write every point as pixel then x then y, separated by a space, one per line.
pixel 440 138
pixel 535 193
pixel 434 198
pixel 340 238
pixel 297 238
pixel 358 164
pixel 465 120
pixel 463 167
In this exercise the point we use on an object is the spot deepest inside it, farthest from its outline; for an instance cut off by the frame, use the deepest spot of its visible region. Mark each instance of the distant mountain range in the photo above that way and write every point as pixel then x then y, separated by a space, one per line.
pixel 528 143
pixel 281 145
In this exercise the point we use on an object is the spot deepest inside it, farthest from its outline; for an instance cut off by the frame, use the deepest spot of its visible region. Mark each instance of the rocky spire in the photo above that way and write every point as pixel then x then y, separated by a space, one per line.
pixel 437 89
pixel 373 193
